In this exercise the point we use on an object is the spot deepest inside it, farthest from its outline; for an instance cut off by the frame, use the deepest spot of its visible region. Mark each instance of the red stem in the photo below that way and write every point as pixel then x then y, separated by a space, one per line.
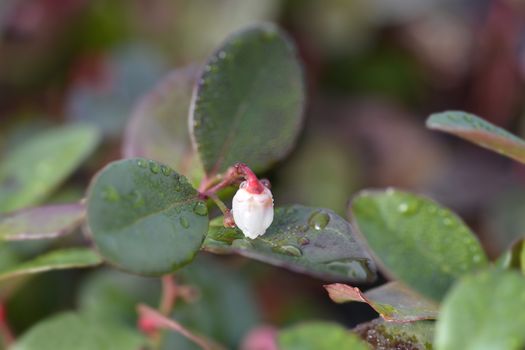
pixel 5 330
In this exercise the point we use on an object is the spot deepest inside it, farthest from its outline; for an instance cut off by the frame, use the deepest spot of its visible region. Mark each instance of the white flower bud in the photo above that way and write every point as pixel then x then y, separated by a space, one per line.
pixel 252 212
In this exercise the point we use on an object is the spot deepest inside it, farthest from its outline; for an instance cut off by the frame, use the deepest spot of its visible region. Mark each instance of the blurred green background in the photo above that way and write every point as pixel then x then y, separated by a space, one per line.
pixel 375 70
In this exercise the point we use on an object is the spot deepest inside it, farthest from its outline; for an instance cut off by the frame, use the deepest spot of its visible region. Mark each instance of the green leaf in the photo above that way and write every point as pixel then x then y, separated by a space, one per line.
pixel 484 311
pixel 144 217
pixel 514 257
pixel 307 240
pixel 319 336
pixel 111 295
pixel 393 301
pixel 55 260
pixel 416 240
pixel 381 334
pixel 34 169
pixel 249 102
pixel 480 132
pixel 158 128
pixel 42 222
pixel 69 330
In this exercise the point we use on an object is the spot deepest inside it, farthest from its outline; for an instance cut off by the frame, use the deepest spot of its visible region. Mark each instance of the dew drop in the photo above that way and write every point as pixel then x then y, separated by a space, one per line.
pixel 184 222
pixel 241 243
pixel 290 211
pixel 154 167
pixel 318 220
pixel 408 207
pixel 448 222
pixel 356 269
pixel 200 209
pixel 288 249
pixel 136 199
pixel 303 240
pixel 110 194
pixel 142 163
pixel 165 170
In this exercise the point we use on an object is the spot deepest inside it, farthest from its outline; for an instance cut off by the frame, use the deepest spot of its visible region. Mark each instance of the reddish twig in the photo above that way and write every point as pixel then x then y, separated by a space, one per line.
pixel 5 330
pixel 158 321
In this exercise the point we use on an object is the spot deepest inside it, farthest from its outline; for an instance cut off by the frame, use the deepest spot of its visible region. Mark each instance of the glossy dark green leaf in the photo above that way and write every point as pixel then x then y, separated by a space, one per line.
pixel 381 334
pixel 484 311
pixel 319 336
pixel 393 301
pixel 158 128
pixel 416 240
pixel 248 104
pixel 307 240
pixel 55 260
pixel 42 222
pixel 144 217
pixel 69 330
pixel 30 172
pixel 480 132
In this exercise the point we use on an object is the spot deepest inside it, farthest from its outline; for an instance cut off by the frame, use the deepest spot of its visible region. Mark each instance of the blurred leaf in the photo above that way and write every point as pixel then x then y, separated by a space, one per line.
pixel 307 240
pixel 248 104
pixel 158 128
pixel 144 217
pixel 319 336
pixel 111 295
pixel 69 330
pixel 503 219
pixel 484 311
pixel 393 301
pixel 480 132
pixel 42 222
pixel 514 258
pixel 381 334
pixel 416 240
pixel 304 178
pixel 31 171
pixel 186 37
pixel 107 100
pixel 55 260
pixel 224 311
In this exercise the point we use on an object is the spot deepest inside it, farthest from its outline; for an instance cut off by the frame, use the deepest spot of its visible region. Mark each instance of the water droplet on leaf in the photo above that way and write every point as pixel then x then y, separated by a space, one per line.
pixel 184 222
pixel 110 194
pixel 318 220
pixel 288 249
pixel 165 170
pixel 303 240
pixel 200 209
pixel 241 243
pixel 142 163
pixel 154 167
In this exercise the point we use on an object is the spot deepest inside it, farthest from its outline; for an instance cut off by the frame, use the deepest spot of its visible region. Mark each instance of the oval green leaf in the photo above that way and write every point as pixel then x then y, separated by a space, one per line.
pixel 158 128
pixel 307 240
pixel 42 222
pixel 319 336
pixel 392 301
pixel 416 240
pixel 480 132
pixel 484 311
pixel 30 172
pixel 55 260
pixel 248 104
pixel 144 217
pixel 381 334
pixel 70 330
